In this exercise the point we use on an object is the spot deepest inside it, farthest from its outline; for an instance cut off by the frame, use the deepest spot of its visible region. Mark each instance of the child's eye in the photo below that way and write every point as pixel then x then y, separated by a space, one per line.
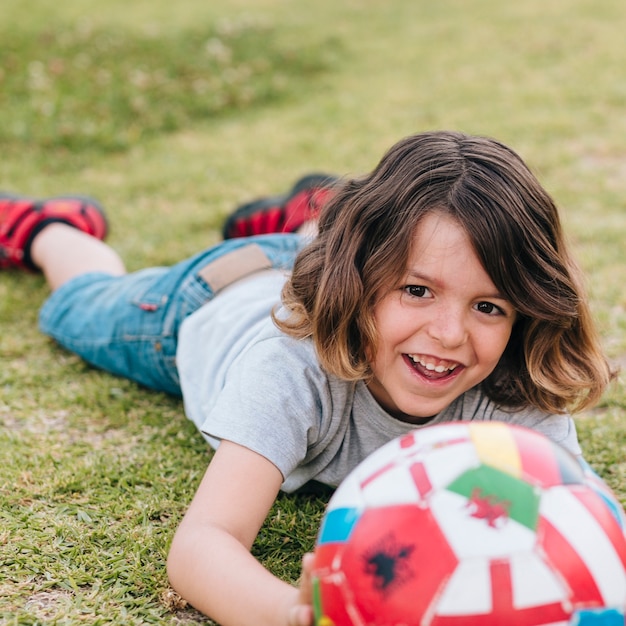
pixel 417 291
pixel 489 309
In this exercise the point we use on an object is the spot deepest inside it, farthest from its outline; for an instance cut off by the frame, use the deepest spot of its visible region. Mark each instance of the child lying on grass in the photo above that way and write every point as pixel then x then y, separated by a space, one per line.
pixel 438 288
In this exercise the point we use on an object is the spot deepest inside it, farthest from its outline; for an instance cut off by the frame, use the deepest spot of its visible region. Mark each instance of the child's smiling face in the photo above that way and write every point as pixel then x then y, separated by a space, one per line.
pixel 442 330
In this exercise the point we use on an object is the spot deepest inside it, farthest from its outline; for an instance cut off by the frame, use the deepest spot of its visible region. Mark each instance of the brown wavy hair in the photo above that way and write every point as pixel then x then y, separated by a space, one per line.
pixel 553 360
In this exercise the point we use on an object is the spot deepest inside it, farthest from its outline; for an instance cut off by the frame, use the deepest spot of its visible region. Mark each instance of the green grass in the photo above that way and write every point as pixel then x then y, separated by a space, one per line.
pixel 99 89
pixel 171 113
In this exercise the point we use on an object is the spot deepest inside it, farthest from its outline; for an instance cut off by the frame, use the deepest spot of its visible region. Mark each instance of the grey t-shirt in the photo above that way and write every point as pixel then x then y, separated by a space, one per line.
pixel 245 381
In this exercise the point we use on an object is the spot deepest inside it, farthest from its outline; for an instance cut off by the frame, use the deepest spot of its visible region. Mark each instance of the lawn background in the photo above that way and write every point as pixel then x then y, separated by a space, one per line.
pixel 96 472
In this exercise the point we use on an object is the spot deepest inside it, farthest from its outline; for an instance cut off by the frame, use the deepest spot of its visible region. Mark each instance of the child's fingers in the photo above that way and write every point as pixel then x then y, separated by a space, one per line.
pixel 306 590
pixel 301 615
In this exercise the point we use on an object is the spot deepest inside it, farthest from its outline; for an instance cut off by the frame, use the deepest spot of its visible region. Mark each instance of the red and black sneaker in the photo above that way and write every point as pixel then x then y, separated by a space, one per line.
pixel 281 214
pixel 21 218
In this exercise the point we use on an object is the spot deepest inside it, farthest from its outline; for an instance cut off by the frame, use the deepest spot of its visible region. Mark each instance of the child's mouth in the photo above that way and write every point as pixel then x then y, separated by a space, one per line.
pixel 433 369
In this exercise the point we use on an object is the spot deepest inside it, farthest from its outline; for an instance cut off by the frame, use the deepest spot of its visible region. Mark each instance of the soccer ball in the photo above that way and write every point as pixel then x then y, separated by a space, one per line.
pixel 471 524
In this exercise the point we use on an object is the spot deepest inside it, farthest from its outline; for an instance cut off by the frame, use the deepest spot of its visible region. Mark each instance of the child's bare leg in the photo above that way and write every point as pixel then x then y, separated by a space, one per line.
pixel 63 252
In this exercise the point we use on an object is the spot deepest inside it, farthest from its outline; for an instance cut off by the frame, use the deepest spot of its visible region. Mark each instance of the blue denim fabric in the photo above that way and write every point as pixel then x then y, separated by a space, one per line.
pixel 128 325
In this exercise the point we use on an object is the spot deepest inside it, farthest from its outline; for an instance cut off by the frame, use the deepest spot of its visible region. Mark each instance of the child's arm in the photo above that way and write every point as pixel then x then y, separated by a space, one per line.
pixel 210 563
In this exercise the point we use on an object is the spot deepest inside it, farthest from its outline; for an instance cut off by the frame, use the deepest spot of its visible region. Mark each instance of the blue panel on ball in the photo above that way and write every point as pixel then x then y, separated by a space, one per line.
pixel 338 524
pixel 598 617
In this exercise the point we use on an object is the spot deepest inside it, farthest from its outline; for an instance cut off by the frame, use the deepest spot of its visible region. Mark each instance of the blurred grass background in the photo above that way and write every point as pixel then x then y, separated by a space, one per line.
pixel 171 114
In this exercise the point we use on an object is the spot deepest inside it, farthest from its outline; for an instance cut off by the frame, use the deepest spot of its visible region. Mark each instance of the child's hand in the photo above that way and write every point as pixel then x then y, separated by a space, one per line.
pixel 301 614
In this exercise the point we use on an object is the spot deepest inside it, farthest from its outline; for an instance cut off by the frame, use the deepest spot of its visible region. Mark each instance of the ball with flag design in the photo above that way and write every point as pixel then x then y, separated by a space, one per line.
pixel 471 524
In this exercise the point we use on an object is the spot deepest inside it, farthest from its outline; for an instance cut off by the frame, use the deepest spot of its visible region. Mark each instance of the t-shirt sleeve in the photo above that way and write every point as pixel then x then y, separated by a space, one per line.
pixel 270 403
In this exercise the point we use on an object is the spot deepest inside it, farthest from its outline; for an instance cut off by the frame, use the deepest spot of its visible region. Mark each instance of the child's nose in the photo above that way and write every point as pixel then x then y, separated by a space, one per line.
pixel 449 328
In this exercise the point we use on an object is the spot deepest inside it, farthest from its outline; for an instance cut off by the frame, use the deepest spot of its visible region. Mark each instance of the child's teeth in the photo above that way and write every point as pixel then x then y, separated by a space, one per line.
pixel 431 367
